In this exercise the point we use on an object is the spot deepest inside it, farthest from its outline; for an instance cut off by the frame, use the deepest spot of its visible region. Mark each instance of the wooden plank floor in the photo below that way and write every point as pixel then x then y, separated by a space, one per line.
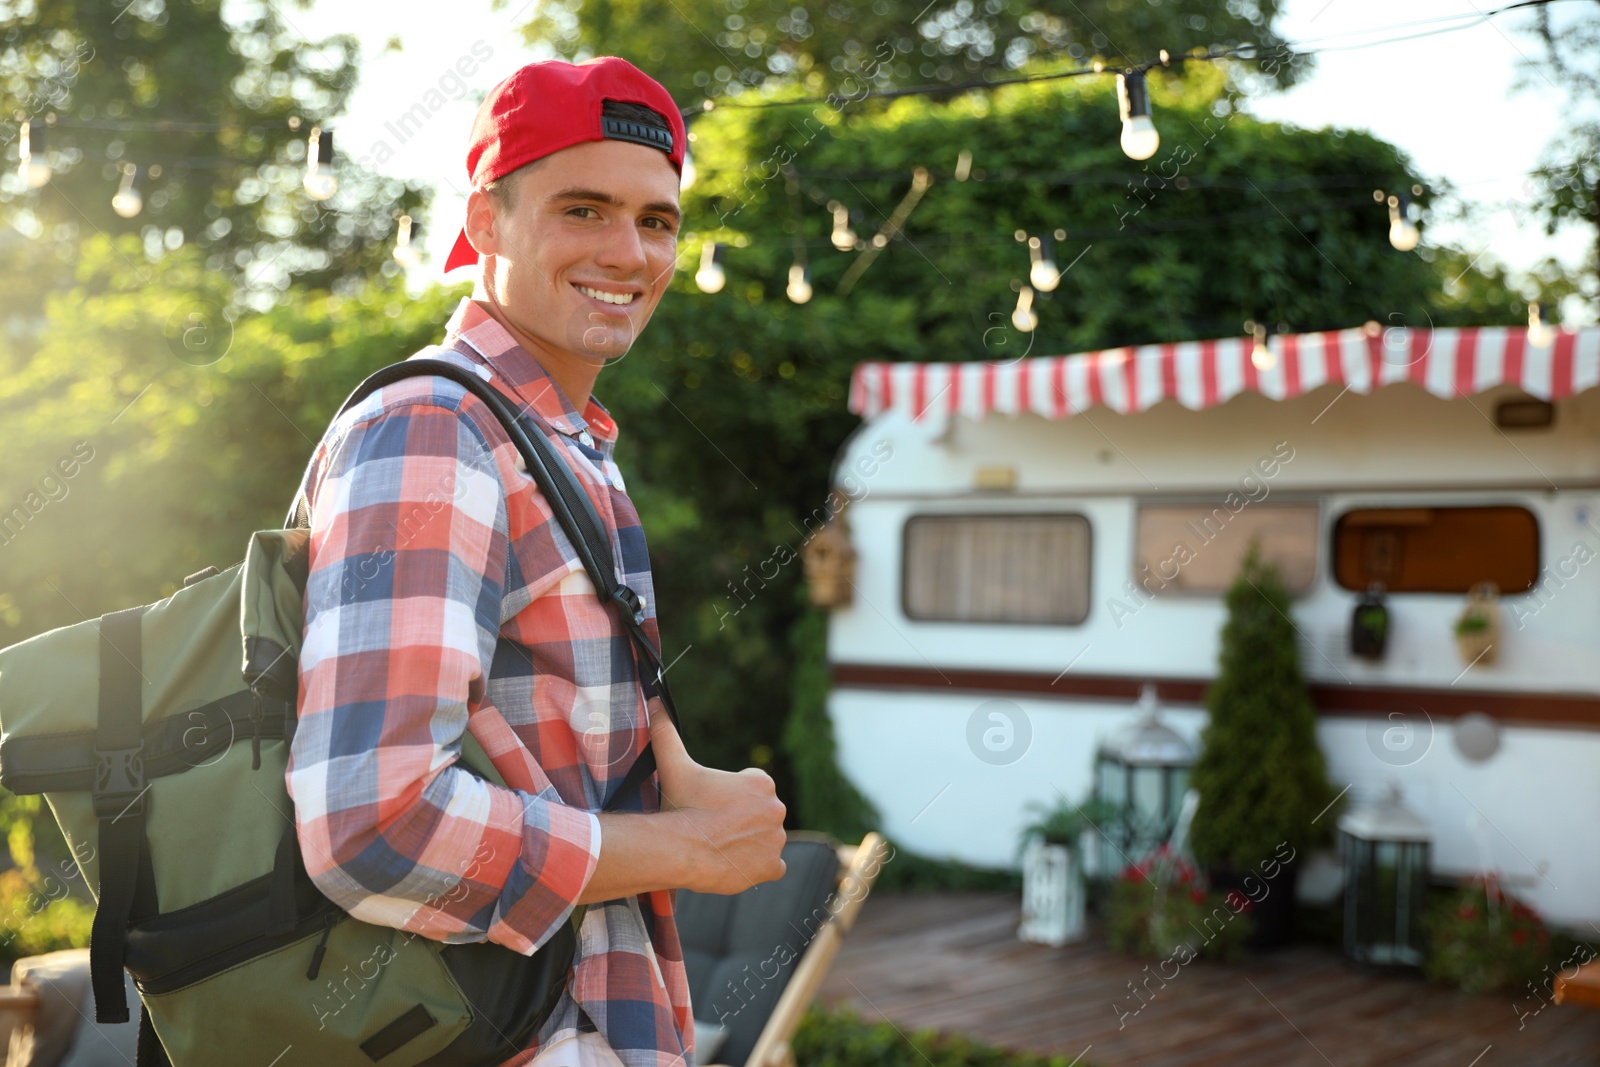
pixel 953 962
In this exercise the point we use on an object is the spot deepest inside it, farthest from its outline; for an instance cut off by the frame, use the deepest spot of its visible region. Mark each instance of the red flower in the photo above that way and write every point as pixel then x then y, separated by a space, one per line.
pixel 1468 911
pixel 1197 895
pixel 1519 937
pixel 1238 901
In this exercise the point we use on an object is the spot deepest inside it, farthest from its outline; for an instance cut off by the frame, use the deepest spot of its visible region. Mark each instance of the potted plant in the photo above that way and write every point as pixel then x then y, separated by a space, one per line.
pixel 1477 629
pixel 1161 906
pixel 1263 785
pixel 1369 625
pixel 1052 869
pixel 1482 939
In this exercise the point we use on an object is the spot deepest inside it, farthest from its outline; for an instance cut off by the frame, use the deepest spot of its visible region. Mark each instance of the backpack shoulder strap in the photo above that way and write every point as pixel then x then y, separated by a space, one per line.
pixel 570 504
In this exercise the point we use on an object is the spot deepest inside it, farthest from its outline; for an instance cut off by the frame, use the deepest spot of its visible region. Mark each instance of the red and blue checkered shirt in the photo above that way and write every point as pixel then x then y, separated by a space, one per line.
pixel 444 598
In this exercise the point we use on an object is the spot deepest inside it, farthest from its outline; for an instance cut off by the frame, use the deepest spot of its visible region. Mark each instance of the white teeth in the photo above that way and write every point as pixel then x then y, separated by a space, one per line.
pixel 610 298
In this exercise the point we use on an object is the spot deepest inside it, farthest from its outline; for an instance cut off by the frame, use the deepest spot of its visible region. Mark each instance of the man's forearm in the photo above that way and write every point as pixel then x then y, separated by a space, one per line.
pixel 639 854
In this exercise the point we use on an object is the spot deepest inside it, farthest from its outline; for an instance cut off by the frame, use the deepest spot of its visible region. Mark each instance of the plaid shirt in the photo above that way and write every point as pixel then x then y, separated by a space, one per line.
pixel 444 597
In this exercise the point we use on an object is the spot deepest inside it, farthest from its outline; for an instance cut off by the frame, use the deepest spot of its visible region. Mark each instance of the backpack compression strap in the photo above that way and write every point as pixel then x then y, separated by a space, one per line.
pixel 127 891
pixel 573 511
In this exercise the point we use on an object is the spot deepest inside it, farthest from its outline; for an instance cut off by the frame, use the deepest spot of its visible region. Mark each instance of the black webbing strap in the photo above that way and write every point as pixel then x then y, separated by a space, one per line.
pixel 574 513
pixel 127 882
pixel 150 1052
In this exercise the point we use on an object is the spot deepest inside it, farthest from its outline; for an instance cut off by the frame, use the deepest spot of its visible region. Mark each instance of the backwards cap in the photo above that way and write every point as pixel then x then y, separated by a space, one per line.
pixel 548 106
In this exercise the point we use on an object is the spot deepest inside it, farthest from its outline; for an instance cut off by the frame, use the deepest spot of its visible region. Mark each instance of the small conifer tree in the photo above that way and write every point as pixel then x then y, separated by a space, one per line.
pixel 1260 774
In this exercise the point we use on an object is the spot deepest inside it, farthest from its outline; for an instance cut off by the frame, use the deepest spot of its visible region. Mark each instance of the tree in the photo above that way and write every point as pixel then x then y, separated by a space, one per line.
pixel 744 44
pixel 1566 185
pixel 1260 774
pixel 215 106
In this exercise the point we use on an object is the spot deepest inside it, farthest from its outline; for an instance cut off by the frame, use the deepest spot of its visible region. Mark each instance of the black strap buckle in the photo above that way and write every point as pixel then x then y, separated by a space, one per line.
pixel 630 602
pixel 119 781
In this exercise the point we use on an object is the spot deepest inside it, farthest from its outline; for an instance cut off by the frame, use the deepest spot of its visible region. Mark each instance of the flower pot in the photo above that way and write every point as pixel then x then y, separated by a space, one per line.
pixel 1267 903
pixel 1052 896
pixel 1479 645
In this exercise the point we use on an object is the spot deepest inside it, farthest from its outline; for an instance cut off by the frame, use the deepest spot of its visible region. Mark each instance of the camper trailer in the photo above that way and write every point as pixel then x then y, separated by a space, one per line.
pixel 1034 542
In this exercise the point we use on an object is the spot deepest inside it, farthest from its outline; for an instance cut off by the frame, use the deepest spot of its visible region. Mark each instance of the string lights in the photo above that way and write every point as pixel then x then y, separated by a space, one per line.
pixel 1262 356
pixel 1042 270
pixel 1540 333
pixel 128 201
pixel 407 249
pixel 320 181
pixel 799 288
pixel 1139 137
pixel 1403 231
pixel 32 168
pixel 843 237
pixel 1023 317
pixel 711 277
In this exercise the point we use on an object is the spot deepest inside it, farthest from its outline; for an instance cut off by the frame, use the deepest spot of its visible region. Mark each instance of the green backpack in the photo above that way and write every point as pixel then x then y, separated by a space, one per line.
pixel 164 762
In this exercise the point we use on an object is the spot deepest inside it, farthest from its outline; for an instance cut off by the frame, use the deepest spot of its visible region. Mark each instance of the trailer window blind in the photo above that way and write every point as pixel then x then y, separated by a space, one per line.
pixel 1437 550
pixel 997 568
pixel 1197 548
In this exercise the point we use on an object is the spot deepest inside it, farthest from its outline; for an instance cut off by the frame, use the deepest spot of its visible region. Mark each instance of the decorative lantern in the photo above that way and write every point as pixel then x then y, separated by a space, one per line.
pixel 1385 847
pixel 830 564
pixel 1369 624
pixel 1052 896
pixel 1142 771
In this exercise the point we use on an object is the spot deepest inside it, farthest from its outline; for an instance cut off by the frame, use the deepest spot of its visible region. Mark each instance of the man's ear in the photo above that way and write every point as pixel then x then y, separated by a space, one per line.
pixel 480 227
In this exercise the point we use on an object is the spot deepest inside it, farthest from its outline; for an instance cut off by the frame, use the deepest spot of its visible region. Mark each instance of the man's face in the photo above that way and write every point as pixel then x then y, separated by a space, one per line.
pixel 578 259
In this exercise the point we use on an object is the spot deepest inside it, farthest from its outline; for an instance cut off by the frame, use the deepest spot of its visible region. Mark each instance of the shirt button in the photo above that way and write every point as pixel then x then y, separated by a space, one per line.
pixel 588 442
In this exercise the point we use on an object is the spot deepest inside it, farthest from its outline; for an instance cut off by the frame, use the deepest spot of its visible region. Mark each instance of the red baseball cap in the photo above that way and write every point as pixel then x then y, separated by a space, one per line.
pixel 548 106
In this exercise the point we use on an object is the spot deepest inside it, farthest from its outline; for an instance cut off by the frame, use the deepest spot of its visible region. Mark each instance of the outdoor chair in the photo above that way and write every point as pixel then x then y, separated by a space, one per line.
pixel 756 959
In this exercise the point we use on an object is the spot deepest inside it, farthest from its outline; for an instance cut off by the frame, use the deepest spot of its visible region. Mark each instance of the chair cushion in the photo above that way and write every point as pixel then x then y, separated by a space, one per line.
pixel 740 950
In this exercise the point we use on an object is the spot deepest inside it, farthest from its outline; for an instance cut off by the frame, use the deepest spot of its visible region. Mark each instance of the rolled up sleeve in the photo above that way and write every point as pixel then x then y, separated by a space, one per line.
pixel 409 543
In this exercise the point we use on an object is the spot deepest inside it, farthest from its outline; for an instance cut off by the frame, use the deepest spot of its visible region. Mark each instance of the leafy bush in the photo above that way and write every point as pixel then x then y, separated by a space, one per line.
pixel 843 1039
pixel 1482 939
pixel 1162 907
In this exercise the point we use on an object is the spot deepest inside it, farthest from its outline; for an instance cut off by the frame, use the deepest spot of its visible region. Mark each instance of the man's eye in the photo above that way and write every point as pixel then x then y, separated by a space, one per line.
pixel 592 212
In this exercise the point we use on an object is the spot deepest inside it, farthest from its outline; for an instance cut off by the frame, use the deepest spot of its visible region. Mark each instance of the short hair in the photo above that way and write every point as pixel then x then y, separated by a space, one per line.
pixel 503 187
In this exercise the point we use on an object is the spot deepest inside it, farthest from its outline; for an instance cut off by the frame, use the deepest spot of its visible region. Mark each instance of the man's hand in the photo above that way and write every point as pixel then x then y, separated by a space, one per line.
pixel 736 817
pixel 716 832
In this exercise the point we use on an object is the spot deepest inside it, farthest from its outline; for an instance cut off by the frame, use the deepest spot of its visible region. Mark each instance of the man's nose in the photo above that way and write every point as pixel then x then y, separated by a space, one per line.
pixel 622 248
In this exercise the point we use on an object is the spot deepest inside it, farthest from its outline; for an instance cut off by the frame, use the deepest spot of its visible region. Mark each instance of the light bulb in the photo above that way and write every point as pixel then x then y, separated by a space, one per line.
pixel 320 182
pixel 33 170
pixel 1139 137
pixel 1403 233
pixel 1024 318
pixel 844 238
pixel 799 287
pixel 710 277
pixel 1043 273
pixel 406 252
pixel 1540 334
pixel 127 202
pixel 1262 356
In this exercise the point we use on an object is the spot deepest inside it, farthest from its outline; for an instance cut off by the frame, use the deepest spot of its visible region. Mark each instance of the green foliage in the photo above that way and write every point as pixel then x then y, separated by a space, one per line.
pixel 1472 623
pixel 1260 774
pixel 1482 939
pixel 826 800
pixel 38 909
pixel 842 1038
pixel 1064 822
pixel 732 45
pixel 1161 907
pixel 908 872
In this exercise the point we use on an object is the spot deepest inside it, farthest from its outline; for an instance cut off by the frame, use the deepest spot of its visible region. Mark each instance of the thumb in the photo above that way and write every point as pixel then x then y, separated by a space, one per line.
pixel 664 737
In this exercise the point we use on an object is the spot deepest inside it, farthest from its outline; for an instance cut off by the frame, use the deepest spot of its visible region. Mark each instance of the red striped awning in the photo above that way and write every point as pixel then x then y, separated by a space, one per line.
pixel 1200 374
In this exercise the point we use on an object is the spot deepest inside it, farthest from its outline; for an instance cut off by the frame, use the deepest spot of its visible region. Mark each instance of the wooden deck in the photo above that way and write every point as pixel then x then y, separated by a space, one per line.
pixel 953 962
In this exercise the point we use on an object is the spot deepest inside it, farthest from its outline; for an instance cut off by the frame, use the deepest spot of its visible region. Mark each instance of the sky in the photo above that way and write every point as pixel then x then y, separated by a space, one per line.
pixel 1449 101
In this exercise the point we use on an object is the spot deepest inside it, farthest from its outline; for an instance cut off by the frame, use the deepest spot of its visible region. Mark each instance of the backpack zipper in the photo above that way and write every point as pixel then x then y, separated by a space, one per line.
pixel 321 950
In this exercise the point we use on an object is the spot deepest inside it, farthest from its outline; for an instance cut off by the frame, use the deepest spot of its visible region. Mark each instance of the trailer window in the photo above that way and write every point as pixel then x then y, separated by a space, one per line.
pixel 996 568
pixel 1197 548
pixel 1437 550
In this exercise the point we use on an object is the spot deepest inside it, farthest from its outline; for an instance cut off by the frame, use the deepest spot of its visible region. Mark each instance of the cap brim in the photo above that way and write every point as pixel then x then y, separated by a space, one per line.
pixel 462 254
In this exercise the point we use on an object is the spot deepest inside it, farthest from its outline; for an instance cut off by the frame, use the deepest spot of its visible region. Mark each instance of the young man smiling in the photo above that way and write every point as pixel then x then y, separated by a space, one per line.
pixel 482 619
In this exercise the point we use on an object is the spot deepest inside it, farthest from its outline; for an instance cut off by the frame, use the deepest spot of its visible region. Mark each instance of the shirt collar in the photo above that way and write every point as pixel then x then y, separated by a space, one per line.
pixel 527 378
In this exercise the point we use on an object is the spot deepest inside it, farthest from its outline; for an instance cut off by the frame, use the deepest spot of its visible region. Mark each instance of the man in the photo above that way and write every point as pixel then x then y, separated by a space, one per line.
pixel 444 598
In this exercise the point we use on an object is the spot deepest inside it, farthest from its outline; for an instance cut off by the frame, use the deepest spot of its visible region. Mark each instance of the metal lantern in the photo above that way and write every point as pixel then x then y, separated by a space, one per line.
pixel 1385 847
pixel 1142 771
